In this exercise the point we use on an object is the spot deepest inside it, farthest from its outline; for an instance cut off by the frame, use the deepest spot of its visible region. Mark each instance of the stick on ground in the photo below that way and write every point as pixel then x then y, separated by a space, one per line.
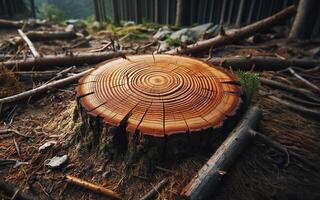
pixel 43 88
pixel 29 43
pixel 238 34
pixel 208 177
pixel 92 187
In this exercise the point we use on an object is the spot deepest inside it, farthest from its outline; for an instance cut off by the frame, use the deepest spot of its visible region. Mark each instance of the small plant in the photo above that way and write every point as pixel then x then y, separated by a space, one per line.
pixel 250 83
pixel 172 42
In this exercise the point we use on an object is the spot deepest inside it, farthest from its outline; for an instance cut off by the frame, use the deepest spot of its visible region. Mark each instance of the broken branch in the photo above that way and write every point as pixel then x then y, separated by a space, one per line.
pixel 238 34
pixel 46 62
pixel 207 178
pixel 92 187
pixel 43 88
pixel 29 43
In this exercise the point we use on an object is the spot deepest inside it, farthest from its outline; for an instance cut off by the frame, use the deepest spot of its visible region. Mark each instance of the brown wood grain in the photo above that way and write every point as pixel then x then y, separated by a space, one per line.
pixel 159 95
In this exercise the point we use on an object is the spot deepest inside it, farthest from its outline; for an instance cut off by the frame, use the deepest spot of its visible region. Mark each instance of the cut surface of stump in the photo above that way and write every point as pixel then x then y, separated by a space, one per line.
pixel 159 95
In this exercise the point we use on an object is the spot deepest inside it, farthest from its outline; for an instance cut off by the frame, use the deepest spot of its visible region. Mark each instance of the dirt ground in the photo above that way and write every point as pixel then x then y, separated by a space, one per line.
pixel 259 173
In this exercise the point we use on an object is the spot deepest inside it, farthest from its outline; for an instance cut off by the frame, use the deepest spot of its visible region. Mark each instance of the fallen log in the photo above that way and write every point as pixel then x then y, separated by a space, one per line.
pixel 10 24
pixel 204 183
pixel 19 24
pixel 46 62
pixel 37 36
pixel 296 91
pixel 260 63
pixel 29 43
pixel 241 33
pixel 152 193
pixel 13 191
pixel 92 187
pixel 296 107
pixel 43 88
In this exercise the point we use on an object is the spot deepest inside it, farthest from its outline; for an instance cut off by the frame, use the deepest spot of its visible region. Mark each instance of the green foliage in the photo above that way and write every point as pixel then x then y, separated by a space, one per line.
pixel 250 83
pixel 172 42
pixel 51 13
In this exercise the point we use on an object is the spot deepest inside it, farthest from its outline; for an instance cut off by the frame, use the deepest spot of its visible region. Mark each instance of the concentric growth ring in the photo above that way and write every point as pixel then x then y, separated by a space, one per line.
pixel 159 95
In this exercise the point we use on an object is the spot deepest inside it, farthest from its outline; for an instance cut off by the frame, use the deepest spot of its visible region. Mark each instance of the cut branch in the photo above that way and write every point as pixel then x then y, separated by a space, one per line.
pixel 203 184
pixel 261 63
pixel 45 62
pixel 92 187
pixel 29 43
pixel 43 88
pixel 238 34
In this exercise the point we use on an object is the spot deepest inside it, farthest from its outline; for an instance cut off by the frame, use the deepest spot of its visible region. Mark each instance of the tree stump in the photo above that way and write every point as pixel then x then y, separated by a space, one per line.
pixel 161 105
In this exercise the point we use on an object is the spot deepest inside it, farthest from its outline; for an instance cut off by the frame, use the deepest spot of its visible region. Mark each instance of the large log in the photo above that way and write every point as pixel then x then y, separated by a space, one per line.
pixel 47 62
pixel 36 36
pixel 238 34
pixel 43 88
pixel 261 63
pixel 204 183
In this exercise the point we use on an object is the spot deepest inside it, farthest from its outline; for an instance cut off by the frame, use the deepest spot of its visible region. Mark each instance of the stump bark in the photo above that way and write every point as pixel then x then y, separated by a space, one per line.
pixel 161 105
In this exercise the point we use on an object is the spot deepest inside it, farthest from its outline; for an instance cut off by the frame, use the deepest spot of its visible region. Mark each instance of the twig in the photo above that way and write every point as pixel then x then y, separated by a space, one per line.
pixel 92 187
pixel 43 88
pixel 164 169
pixel 31 47
pixel 101 48
pixel 305 81
pixel 62 74
pixel 4 131
pixel 151 194
pixel 17 147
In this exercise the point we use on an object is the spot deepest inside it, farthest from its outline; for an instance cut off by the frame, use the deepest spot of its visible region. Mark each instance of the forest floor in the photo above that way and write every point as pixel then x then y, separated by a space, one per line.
pixel 259 173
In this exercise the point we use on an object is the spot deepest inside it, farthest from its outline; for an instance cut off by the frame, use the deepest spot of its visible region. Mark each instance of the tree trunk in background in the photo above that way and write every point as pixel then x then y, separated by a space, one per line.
pixel 33 9
pixel 240 13
pixel 115 12
pixel 96 10
pixel 305 19
pixel 182 6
